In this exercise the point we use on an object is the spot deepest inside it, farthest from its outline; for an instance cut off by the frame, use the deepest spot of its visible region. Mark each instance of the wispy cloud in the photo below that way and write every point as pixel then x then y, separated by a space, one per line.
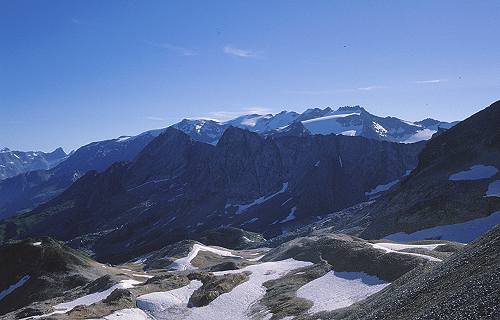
pixel 336 91
pixel 225 115
pixel 431 81
pixel 242 53
pixel 155 118
pixel 181 51
pixel 370 88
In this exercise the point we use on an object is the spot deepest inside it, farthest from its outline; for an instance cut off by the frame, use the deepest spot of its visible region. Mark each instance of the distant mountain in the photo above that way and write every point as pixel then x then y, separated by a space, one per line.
pixel 26 191
pixel 13 163
pixel 177 186
pixel 455 189
pixel 348 121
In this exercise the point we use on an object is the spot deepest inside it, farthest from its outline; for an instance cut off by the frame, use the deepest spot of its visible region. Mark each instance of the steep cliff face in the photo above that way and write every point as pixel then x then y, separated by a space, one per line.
pixel 178 186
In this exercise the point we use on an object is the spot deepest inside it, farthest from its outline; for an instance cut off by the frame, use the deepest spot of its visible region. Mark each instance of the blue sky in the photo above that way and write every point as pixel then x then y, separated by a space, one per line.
pixel 72 72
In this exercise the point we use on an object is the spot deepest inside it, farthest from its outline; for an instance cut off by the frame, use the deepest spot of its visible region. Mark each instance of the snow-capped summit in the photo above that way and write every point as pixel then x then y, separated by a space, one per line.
pixel 347 120
pixel 16 162
pixel 208 131
pixel 263 123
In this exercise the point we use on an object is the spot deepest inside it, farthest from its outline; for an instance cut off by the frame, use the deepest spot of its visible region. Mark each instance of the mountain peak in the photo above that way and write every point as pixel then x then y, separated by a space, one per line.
pixel 350 109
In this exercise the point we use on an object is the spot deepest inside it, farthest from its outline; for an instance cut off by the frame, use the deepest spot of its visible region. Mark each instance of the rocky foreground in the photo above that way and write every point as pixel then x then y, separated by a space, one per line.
pixel 319 276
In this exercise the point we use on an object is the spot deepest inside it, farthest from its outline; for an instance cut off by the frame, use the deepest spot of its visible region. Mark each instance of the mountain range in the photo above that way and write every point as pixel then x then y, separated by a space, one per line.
pixel 13 163
pixel 25 191
pixel 349 121
pixel 263 184
pixel 320 215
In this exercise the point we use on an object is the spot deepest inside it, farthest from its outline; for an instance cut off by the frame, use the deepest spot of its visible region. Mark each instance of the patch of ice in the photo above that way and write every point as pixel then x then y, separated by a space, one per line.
pixel 291 216
pixel 381 188
pixel 256 258
pixel 249 222
pixel 185 263
pixel 170 304
pixel 420 135
pixel 402 246
pixel 337 290
pixel 349 133
pixel 246 239
pixel 461 232
pixel 388 249
pixel 476 172
pixel 142 275
pixel 13 287
pixel 122 138
pixel 243 207
pixel 379 129
pixel 93 297
pixel 127 314
pixel 493 189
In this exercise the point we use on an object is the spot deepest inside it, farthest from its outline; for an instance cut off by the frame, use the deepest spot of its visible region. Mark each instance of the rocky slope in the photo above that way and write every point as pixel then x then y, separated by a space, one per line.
pixel 42 269
pixel 453 183
pixel 260 184
pixel 26 191
pixel 13 163
pixel 464 286
pixel 301 278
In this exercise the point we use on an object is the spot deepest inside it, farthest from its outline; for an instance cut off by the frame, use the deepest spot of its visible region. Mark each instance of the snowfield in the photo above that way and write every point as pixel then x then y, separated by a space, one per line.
pixel 420 135
pixel 235 304
pixel 93 297
pixel 460 232
pixel 476 172
pixel 127 314
pixel 185 263
pixel 329 124
pixel 337 290
pixel 170 304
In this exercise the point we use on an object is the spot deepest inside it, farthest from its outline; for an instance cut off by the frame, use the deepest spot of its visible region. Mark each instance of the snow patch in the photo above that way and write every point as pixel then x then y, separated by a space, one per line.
pixel 402 246
pixel 476 172
pixel 381 188
pixel 235 304
pixel 127 314
pixel 493 189
pixel 92 298
pixel 172 303
pixel 460 232
pixel 337 290
pixel 37 244
pixel 185 263
pixel 13 287
pixel 387 249
pixel 291 216
pixel 243 207
pixel 420 135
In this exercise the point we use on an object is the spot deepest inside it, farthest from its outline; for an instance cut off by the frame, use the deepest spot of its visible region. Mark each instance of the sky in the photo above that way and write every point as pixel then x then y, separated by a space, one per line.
pixel 73 72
